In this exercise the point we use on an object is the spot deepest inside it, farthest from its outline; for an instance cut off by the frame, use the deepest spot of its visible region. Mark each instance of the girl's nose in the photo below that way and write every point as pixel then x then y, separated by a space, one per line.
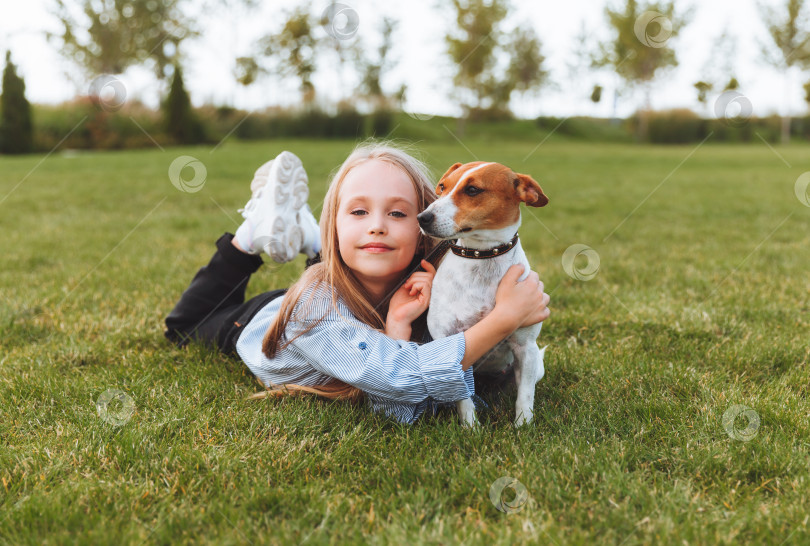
pixel 377 226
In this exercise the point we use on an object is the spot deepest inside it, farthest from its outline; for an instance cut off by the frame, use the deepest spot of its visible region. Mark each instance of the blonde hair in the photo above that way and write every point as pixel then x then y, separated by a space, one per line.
pixel 333 273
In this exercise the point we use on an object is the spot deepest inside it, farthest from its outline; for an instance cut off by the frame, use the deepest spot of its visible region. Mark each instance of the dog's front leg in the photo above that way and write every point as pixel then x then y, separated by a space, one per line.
pixel 466 412
pixel 529 370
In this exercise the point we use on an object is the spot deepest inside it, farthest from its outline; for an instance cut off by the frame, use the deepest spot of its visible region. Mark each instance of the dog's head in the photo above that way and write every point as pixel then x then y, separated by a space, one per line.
pixel 479 196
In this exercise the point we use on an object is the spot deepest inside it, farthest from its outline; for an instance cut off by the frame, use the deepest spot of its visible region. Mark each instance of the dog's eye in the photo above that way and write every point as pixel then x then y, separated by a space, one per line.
pixel 472 190
pixel 441 188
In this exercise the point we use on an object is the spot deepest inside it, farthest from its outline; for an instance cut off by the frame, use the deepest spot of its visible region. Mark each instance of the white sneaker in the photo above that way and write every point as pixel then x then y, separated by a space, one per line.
pixel 312 232
pixel 260 177
pixel 275 221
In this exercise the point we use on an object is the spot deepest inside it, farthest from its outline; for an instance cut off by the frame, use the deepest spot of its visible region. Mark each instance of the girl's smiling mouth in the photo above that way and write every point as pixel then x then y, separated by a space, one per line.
pixel 376 247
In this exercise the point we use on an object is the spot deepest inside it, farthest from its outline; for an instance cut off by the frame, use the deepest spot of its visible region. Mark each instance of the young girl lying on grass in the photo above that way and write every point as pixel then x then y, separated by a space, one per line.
pixel 344 330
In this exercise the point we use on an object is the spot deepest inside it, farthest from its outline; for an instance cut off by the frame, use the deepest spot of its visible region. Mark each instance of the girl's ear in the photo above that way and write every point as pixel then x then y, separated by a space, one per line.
pixel 529 191
pixel 445 175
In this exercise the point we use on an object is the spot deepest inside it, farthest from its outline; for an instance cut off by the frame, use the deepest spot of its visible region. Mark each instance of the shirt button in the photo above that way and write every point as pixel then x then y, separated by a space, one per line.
pixel 362 345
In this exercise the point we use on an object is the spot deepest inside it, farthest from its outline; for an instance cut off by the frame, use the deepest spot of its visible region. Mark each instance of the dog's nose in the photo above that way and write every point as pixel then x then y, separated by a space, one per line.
pixel 425 218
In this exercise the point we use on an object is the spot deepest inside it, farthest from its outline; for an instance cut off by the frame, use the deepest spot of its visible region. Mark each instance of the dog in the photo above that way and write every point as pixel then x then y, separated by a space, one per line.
pixel 479 206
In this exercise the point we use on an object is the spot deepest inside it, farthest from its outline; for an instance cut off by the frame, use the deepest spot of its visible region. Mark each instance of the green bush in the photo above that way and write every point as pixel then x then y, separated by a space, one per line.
pixel 380 123
pixel 800 127
pixel 88 126
pixel 677 126
pixel 681 126
pixel 137 126
pixel 84 125
pixel 585 128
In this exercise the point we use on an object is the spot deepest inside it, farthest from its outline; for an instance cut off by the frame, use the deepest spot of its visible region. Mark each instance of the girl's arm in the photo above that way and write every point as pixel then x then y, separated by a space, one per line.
pixel 344 348
pixel 485 334
pixel 516 304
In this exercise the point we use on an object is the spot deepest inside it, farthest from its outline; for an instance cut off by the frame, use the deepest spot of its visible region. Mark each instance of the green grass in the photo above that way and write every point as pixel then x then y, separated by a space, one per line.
pixel 701 302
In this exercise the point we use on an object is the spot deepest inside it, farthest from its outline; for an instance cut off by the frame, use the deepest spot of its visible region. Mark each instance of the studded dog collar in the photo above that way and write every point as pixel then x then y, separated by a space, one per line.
pixel 475 254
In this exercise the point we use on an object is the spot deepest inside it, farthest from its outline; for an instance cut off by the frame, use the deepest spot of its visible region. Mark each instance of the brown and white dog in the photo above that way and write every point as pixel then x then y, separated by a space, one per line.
pixel 479 205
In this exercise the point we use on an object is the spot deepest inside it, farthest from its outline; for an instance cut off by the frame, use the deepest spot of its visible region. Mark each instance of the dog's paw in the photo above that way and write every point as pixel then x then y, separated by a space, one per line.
pixel 523 416
pixel 472 425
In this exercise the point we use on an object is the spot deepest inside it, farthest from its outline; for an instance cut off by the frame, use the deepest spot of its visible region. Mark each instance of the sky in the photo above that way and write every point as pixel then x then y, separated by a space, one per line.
pixel 422 63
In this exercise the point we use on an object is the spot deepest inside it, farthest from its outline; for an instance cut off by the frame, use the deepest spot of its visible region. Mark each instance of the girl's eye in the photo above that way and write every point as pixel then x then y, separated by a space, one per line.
pixel 472 190
pixel 361 212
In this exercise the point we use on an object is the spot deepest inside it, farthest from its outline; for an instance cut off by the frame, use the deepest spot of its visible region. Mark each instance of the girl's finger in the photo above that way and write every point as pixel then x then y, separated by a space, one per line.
pixel 421 279
pixel 427 266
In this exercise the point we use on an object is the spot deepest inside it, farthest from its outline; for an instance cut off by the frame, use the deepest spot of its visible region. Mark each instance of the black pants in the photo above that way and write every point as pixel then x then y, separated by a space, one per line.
pixel 213 309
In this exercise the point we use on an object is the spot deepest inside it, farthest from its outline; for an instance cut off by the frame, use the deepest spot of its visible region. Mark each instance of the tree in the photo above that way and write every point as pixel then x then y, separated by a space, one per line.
pixel 472 48
pixel 525 72
pixel 639 46
pixel 16 135
pixel 596 94
pixel 180 120
pixel 246 71
pixel 793 42
pixel 295 49
pixel 703 89
pixel 718 71
pixel 109 36
pixel 806 88
pixel 372 71
pixel 582 61
pixel 340 23
pixel 475 45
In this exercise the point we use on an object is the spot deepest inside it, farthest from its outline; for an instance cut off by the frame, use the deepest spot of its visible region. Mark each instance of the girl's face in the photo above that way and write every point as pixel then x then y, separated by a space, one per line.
pixel 376 223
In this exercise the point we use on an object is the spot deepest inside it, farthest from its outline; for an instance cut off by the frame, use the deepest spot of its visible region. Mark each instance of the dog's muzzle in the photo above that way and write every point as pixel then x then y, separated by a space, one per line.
pixel 425 219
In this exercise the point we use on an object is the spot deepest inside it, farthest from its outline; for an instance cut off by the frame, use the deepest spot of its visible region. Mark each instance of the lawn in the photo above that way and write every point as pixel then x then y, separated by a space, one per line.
pixel 699 309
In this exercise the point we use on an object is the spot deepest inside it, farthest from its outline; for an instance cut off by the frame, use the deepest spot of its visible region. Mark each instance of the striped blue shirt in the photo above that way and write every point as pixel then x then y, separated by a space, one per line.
pixel 401 379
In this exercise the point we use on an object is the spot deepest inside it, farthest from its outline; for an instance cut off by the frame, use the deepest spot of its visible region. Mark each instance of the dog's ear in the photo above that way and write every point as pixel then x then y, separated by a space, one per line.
pixel 451 169
pixel 529 191
pixel 445 175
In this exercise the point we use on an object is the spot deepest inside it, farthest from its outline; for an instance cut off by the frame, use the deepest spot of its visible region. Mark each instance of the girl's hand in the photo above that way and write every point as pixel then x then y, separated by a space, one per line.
pixel 525 301
pixel 413 297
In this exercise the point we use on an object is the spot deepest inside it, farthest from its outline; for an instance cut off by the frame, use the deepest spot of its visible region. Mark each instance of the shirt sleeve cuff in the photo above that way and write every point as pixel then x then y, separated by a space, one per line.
pixel 441 369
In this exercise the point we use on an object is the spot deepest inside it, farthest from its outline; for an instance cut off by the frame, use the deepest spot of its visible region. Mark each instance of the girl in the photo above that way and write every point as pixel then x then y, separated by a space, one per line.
pixel 344 330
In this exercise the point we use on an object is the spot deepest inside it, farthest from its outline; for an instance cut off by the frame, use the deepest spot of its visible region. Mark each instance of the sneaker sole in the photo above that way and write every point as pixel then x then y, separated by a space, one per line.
pixel 288 182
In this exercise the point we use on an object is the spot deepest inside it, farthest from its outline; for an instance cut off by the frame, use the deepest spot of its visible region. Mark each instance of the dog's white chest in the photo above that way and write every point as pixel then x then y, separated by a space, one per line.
pixel 463 291
pixel 459 299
